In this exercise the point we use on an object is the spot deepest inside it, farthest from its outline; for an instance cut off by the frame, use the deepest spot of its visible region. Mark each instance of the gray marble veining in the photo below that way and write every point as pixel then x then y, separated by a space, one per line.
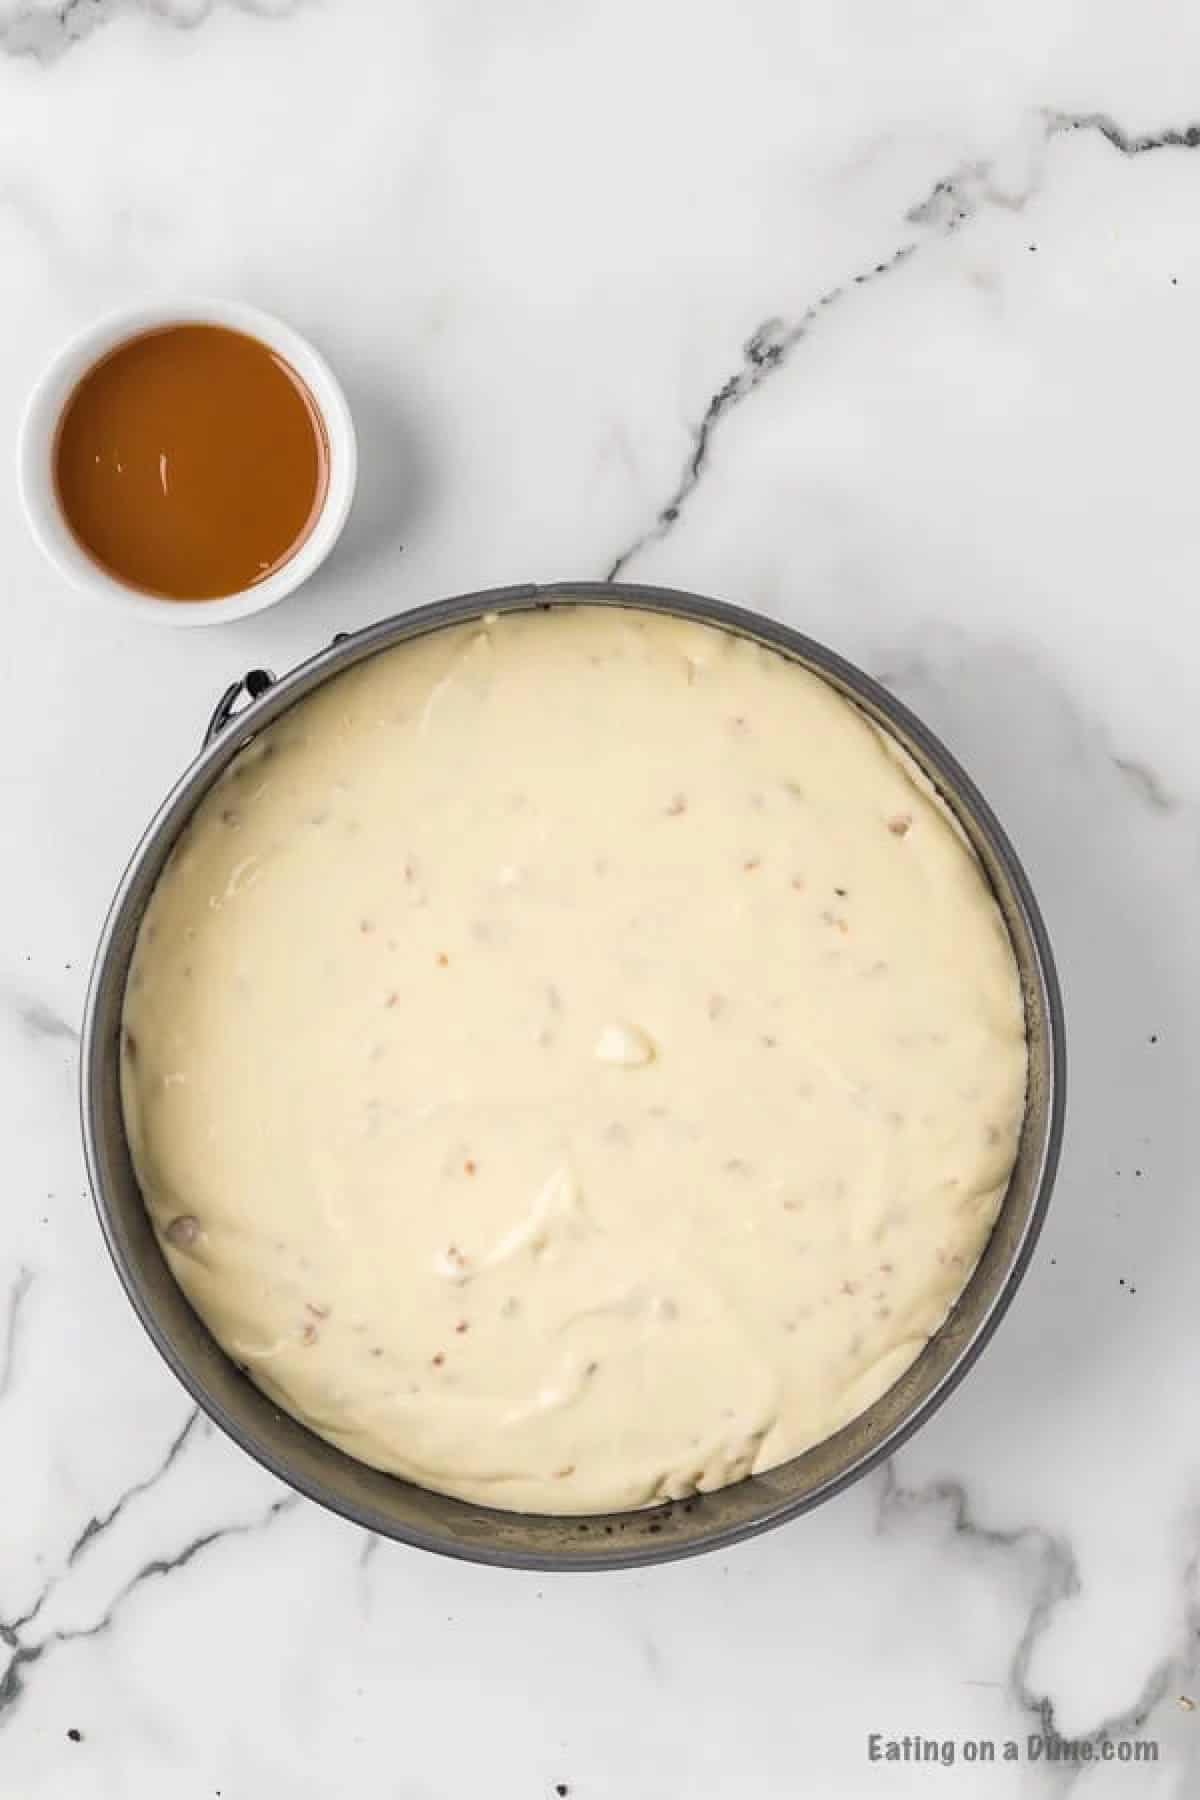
pixel 48 32
pixel 951 203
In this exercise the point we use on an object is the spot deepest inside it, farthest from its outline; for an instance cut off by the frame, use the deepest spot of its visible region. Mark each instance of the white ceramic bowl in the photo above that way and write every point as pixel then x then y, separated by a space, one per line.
pixel 39 427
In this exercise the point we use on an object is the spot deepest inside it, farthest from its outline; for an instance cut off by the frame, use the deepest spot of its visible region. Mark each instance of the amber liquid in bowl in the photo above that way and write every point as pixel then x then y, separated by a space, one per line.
pixel 191 462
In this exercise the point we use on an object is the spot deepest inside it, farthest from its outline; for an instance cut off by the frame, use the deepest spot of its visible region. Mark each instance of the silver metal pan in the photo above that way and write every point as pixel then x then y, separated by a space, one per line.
pixel 396 1508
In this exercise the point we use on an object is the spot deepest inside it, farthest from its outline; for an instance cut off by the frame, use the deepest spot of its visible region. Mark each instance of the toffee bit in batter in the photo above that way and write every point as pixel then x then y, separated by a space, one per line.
pixel 677 806
pixel 716 1005
pixel 308 1334
pixel 627 1046
pixel 469 1166
pixel 900 824
pixel 453 1263
pixel 751 863
pixel 438 1359
pixel 443 961
pixel 183 1233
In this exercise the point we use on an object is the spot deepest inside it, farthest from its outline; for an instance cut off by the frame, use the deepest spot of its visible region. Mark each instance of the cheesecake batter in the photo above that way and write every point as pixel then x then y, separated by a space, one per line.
pixel 573 1060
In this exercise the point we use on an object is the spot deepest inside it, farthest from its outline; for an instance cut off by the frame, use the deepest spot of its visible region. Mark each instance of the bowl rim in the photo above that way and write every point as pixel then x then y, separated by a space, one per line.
pixel 38 432
pixel 346 650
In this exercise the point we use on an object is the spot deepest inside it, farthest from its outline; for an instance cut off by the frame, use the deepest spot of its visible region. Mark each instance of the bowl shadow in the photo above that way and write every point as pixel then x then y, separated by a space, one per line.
pixel 395 475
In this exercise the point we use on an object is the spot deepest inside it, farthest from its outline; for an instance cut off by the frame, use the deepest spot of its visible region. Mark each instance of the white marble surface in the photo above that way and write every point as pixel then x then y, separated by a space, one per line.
pixel 891 310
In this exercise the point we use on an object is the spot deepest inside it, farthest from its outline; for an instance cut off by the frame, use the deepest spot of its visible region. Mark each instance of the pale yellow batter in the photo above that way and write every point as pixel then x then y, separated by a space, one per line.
pixel 573 1060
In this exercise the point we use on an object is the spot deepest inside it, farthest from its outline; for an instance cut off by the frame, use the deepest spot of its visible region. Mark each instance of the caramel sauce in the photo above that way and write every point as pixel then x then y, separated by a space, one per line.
pixel 191 462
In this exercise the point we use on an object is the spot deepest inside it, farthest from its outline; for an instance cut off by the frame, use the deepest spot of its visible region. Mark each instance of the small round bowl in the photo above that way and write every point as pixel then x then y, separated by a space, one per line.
pixel 39 430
